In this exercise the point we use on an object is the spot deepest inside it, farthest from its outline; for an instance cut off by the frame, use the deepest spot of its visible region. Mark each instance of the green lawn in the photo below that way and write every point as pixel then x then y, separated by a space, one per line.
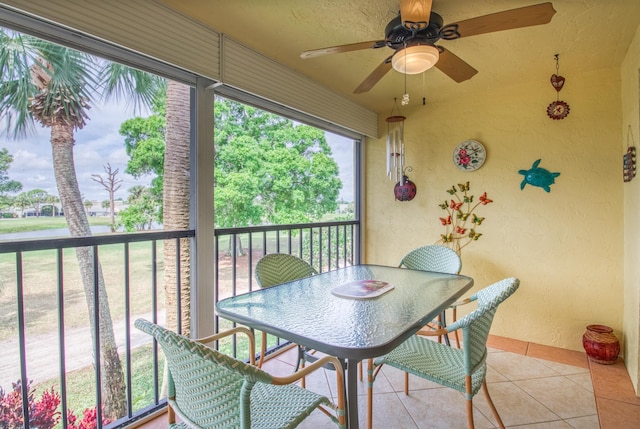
pixel 11 226
pixel 81 384
pixel 41 287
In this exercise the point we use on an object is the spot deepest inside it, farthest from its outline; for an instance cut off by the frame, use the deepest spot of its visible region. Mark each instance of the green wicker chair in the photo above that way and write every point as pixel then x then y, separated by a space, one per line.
pixel 460 369
pixel 274 269
pixel 277 268
pixel 208 389
pixel 434 257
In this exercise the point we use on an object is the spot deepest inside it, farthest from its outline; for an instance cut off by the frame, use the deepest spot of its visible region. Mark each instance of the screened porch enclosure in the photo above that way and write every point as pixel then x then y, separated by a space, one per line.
pixel 53 328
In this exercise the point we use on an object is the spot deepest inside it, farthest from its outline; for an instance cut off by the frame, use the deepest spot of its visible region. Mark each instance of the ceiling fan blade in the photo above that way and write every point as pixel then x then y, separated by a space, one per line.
pixel 415 13
pixel 374 77
pixel 343 48
pixel 454 67
pixel 509 19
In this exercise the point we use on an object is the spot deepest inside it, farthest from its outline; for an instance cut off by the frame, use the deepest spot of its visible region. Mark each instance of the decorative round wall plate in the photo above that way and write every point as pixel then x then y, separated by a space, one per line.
pixel 469 155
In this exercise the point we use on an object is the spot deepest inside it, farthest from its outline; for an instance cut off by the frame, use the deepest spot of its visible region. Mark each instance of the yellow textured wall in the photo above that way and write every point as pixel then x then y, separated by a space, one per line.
pixel 631 117
pixel 565 246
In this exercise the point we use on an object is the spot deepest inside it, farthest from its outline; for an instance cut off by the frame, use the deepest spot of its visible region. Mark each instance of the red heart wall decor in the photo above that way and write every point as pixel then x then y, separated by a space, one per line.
pixel 557 81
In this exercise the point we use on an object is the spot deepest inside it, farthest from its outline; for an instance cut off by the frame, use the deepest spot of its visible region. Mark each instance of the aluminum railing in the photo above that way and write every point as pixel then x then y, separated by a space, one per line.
pixel 45 340
pixel 43 284
pixel 326 246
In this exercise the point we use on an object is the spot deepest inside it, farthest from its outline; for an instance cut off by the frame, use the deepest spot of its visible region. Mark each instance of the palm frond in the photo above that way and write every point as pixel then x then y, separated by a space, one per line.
pixel 134 87
pixel 16 87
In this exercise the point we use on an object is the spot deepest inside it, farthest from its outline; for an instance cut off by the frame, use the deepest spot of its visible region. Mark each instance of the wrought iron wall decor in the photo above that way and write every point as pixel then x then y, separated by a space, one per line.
pixel 629 158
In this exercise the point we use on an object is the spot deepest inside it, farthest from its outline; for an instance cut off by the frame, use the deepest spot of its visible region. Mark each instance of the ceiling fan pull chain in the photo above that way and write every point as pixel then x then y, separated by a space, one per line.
pixel 405 97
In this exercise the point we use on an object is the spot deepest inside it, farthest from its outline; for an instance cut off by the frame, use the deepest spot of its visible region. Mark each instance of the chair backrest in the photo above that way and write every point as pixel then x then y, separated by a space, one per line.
pixel 476 325
pixel 277 268
pixel 207 385
pixel 433 257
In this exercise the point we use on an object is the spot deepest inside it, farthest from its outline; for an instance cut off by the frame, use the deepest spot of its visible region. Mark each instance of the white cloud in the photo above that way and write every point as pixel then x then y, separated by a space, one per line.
pixel 97 144
pixel 27 160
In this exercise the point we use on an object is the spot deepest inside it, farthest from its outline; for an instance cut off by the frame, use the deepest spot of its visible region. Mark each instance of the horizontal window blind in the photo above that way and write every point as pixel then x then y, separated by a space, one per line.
pixel 142 26
pixel 257 74
pixel 148 27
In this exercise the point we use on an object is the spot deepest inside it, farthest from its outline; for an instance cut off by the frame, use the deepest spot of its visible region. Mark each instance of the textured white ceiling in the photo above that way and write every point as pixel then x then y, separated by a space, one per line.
pixel 588 35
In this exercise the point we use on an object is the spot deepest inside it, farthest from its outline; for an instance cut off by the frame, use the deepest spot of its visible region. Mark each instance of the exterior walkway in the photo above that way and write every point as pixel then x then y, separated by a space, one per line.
pixel 43 351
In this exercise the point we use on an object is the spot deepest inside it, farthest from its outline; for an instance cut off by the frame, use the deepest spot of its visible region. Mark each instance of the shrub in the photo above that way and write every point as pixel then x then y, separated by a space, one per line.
pixel 44 413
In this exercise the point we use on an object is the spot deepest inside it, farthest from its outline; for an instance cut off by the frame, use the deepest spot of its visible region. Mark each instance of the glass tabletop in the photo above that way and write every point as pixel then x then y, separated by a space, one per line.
pixel 306 311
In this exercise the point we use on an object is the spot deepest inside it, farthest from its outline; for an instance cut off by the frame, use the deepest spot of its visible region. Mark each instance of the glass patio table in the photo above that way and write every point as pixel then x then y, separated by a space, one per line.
pixel 306 312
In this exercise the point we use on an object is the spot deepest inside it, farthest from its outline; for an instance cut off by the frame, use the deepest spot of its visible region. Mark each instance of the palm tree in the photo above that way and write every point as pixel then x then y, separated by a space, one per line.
pixel 87 204
pixel 175 207
pixel 52 85
pixel 22 201
pixel 37 197
pixel 53 200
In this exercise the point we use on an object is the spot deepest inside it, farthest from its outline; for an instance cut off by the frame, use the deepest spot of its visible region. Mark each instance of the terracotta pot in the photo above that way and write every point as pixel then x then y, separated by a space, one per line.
pixel 601 344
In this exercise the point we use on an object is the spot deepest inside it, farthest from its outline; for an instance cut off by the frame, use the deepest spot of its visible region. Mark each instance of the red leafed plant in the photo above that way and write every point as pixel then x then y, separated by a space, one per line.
pixel 44 413
pixel 89 419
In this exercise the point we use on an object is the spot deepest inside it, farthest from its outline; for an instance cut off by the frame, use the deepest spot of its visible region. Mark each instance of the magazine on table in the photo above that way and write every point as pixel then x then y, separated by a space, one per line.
pixel 362 289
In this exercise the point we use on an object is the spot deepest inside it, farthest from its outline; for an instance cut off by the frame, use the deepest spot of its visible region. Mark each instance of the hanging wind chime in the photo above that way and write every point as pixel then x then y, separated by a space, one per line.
pixel 405 189
pixel 557 109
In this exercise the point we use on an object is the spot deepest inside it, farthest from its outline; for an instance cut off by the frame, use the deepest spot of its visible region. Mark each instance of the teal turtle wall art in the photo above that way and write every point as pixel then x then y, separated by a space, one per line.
pixel 538 176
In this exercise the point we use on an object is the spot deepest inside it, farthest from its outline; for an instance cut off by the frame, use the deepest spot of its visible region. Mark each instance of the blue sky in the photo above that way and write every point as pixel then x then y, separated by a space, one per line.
pixel 99 143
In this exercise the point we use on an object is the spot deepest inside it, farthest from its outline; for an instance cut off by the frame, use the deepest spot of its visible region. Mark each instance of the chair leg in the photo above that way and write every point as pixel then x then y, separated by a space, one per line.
pixel 263 349
pixel 300 365
pixel 406 383
pixel 300 358
pixel 492 406
pixel 470 414
pixel 469 389
pixel 456 331
pixel 443 325
pixel 171 416
pixel 360 370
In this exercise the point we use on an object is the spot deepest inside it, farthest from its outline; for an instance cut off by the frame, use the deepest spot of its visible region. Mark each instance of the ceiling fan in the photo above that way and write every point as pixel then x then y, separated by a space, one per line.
pixel 414 32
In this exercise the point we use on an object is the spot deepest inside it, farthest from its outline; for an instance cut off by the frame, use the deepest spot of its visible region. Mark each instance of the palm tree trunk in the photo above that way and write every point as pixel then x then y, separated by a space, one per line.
pixel 176 203
pixel 113 386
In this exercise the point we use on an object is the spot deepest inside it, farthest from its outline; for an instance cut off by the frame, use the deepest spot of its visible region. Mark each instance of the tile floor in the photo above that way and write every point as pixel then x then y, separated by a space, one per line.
pixel 532 386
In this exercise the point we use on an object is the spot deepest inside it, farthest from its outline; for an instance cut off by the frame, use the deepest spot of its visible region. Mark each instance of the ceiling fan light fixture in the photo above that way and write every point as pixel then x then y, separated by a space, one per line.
pixel 415 59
